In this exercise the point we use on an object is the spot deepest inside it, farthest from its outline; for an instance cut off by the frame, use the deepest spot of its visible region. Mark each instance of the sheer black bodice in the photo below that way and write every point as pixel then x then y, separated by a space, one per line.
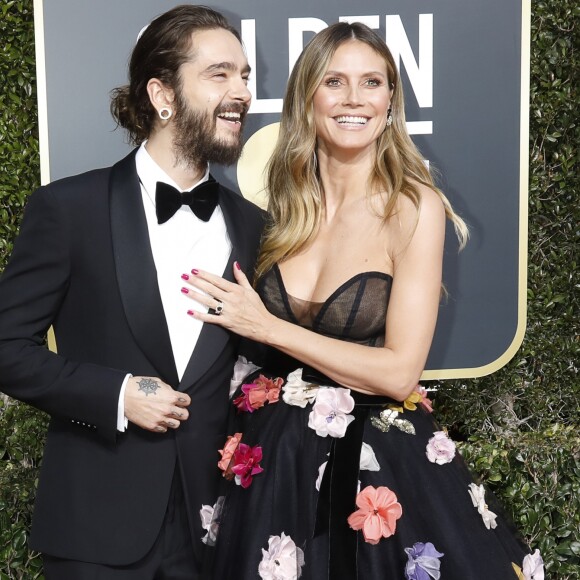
pixel 356 311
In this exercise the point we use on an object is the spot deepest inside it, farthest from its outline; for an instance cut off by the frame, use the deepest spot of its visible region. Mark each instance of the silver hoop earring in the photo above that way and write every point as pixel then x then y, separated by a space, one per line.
pixel 165 113
pixel 389 117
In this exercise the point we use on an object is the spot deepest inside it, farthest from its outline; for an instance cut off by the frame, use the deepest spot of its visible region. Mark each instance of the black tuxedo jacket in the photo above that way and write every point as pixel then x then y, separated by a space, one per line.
pixel 83 264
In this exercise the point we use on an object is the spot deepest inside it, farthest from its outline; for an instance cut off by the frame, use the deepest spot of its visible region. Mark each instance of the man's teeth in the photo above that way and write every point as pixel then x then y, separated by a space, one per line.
pixel 350 119
pixel 231 116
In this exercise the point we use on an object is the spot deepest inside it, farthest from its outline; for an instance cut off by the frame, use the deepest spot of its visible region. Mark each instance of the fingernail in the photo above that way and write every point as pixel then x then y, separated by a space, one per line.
pixel 237 264
pixel 194 271
pixel 182 400
pixel 184 291
pixel 191 312
pixel 184 276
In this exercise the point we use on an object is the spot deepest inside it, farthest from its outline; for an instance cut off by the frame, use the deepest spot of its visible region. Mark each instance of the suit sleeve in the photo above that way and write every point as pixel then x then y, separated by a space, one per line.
pixel 32 289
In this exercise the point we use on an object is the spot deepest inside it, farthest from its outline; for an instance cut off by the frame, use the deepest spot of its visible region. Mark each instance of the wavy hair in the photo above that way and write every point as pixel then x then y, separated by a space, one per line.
pixel 161 49
pixel 293 182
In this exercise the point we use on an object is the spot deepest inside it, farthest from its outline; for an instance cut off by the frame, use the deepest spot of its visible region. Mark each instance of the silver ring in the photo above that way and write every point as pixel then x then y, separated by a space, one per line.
pixel 219 308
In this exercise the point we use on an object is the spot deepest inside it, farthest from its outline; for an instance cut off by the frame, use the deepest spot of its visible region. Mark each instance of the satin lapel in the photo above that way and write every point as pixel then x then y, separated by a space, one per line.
pixel 213 339
pixel 136 273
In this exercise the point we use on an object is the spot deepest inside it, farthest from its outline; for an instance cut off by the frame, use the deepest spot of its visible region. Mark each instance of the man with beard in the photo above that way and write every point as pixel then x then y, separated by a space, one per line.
pixel 138 392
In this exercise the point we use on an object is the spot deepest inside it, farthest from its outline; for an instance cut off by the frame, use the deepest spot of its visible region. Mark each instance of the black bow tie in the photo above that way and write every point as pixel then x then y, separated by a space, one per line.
pixel 201 199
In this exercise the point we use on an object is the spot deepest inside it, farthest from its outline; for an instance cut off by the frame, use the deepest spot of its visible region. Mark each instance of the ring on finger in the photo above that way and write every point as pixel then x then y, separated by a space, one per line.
pixel 219 308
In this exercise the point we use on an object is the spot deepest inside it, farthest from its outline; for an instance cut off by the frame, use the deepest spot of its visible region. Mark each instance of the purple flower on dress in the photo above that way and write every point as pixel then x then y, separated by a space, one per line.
pixel 423 562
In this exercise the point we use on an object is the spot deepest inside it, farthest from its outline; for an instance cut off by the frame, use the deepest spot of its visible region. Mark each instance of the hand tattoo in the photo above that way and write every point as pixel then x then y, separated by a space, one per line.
pixel 148 386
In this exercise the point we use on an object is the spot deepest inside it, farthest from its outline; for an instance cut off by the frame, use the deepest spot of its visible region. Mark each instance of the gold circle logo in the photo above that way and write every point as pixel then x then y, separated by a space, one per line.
pixel 252 164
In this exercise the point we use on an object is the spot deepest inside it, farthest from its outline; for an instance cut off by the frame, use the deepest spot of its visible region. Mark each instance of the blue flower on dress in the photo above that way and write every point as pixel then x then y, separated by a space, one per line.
pixel 423 562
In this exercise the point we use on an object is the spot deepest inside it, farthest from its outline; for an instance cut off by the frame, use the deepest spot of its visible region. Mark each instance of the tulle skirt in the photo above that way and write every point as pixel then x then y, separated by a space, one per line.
pixel 352 487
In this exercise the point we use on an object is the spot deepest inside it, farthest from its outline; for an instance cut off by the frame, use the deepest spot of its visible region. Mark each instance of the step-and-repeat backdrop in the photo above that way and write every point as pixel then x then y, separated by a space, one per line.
pixel 464 67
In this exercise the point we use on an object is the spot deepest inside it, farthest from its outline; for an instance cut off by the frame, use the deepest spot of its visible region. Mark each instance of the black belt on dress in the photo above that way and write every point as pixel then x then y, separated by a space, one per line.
pixel 336 498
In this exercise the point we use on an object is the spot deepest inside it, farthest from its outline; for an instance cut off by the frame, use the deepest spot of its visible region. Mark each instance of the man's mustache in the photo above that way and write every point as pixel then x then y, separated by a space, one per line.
pixel 240 108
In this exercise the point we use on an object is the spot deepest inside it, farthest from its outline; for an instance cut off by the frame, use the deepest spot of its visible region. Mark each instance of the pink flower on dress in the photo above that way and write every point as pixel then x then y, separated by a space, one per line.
pixel 329 415
pixel 425 401
pixel 227 454
pixel 377 514
pixel 257 394
pixel 246 464
pixel 440 449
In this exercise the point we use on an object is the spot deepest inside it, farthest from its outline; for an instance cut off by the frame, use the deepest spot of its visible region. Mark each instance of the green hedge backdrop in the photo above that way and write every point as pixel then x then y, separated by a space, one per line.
pixel 518 428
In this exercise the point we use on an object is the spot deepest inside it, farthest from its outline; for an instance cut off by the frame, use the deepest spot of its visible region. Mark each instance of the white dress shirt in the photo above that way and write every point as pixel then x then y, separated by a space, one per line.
pixel 180 244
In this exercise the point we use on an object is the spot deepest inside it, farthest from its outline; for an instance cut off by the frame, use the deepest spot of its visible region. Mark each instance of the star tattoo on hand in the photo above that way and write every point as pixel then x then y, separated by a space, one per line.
pixel 148 386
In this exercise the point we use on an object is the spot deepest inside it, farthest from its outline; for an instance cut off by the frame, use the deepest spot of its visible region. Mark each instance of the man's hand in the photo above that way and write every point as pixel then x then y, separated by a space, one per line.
pixel 154 405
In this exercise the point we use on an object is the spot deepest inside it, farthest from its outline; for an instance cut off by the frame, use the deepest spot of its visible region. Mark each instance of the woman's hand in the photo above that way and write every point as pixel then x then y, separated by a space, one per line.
pixel 236 307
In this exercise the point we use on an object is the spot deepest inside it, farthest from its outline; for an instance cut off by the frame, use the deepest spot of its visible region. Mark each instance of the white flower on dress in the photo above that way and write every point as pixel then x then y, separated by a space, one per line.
pixel 320 475
pixel 477 493
pixel 210 521
pixel 283 560
pixel 368 459
pixel 329 415
pixel 242 369
pixel 298 392
pixel 440 449
pixel 533 566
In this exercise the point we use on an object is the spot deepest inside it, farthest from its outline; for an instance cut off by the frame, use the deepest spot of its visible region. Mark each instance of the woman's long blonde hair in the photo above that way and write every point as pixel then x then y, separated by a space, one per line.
pixel 295 193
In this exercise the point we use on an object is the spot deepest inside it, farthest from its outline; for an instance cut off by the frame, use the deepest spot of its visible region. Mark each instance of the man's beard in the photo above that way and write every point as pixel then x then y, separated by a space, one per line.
pixel 195 142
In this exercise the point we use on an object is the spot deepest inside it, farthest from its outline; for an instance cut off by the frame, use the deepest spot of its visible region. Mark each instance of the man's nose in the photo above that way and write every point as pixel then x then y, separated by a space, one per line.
pixel 240 91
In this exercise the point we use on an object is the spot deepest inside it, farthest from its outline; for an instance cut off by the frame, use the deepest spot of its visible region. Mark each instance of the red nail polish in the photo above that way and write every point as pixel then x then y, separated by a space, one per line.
pixel 191 312
pixel 185 291
pixel 194 271
pixel 184 276
pixel 238 265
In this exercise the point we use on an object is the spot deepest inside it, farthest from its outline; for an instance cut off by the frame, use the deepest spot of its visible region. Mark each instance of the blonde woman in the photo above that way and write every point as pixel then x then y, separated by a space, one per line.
pixel 341 471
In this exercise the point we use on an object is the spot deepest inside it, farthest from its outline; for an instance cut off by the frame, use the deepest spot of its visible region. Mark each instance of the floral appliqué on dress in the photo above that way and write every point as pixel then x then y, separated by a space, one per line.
pixel 255 395
pixel 283 560
pixel 423 562
pixel 477 493
pixel 440 449
pixel 377 514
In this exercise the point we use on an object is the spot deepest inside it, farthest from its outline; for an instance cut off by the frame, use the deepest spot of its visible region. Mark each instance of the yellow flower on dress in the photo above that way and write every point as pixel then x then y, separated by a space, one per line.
pixel 410 403
pixel 518 572
pixel 412 400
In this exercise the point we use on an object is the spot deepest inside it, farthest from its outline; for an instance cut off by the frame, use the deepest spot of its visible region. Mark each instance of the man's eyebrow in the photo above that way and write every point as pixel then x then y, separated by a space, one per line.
pixel 227 65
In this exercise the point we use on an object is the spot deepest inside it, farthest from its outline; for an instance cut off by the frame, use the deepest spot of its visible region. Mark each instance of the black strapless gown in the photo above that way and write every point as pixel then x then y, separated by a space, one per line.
pixel 438 531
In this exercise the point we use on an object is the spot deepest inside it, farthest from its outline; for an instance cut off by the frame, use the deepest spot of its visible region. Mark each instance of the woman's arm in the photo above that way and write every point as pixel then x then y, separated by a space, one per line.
pixel 393 370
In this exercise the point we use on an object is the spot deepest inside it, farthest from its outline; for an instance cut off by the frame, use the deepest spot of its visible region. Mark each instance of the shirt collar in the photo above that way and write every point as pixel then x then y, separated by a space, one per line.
pixel 150 173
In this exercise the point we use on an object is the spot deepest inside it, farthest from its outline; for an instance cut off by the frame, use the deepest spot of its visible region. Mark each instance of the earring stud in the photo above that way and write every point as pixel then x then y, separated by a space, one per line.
pixel 165 113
